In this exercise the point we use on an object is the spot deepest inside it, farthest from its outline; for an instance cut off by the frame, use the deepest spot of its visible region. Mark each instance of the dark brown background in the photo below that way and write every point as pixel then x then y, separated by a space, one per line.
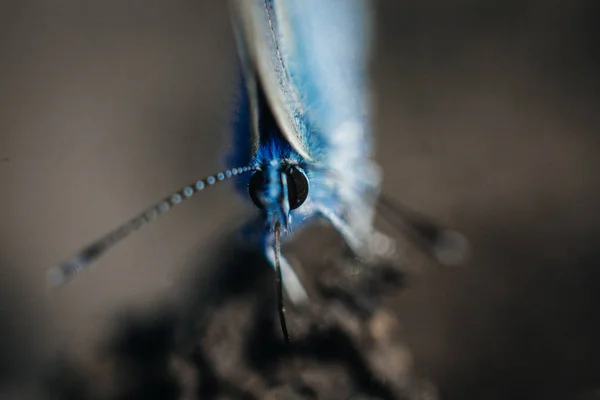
pixel 486 119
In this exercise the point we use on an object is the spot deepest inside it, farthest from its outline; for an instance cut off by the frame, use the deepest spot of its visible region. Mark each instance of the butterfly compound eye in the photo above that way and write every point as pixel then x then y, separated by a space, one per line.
pixel 297 184
pixel 297 187
pixel 255 187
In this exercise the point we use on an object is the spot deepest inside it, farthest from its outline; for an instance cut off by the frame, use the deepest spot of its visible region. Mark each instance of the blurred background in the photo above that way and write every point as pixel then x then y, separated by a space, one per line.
pixel 486 119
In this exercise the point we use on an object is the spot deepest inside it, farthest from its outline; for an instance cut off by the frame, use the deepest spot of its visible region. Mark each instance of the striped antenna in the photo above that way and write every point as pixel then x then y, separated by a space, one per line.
pixel 62 273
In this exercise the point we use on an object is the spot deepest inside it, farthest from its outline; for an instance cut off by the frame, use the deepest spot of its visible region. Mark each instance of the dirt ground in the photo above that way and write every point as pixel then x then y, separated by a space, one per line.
pixel 486 120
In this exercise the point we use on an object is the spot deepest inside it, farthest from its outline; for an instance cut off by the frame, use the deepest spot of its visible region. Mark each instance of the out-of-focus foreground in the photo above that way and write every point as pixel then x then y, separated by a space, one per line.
pixel 486 119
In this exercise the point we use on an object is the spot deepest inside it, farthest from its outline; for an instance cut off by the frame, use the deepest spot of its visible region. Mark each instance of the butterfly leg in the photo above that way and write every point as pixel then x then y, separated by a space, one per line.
pixel 291 282
pixel 254 234
pixel 376 245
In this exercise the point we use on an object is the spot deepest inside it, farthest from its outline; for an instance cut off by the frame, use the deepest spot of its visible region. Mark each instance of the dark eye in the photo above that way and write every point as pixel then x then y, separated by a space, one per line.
pixel 255 187
pixel 297 187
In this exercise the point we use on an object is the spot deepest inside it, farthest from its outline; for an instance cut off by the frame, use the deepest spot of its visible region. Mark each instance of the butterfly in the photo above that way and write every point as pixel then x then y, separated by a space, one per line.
pixel 302 140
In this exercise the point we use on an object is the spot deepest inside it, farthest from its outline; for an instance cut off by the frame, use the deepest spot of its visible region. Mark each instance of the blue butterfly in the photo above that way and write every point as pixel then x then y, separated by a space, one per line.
pixel 302 145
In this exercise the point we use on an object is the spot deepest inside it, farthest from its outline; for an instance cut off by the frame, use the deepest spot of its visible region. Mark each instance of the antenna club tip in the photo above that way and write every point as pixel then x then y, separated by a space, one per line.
pixel 451 248
pixel 55 277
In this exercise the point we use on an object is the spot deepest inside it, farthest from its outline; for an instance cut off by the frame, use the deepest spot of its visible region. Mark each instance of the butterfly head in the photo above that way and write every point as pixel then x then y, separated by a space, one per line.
pixel 277 189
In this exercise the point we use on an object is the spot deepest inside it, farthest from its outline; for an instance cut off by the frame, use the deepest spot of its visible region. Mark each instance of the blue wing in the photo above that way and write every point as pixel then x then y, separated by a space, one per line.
pixel 262 59
pixel 312 59
pixel 327 47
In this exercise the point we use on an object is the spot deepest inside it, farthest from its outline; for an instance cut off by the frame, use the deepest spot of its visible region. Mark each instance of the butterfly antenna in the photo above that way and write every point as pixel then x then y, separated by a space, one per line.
pixel 446 246
pixel 62 273
pixel 280 305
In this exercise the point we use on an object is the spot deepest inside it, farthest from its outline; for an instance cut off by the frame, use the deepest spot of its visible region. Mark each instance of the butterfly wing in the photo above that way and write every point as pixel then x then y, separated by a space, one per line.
pixel 311 58
pixel 264 64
